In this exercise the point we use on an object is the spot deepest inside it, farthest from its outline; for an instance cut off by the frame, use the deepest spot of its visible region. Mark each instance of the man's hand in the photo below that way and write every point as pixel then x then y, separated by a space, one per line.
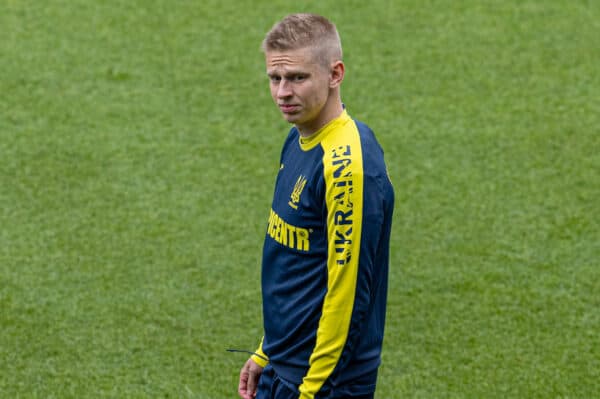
pixel 249 379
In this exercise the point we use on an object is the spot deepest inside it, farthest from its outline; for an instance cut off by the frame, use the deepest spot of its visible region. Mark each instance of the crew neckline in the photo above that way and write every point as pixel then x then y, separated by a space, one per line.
pixel 310 142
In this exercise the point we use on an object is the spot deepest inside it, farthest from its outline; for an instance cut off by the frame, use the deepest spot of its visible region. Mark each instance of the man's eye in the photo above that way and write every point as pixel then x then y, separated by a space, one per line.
pixel 299 78
pixel 275 79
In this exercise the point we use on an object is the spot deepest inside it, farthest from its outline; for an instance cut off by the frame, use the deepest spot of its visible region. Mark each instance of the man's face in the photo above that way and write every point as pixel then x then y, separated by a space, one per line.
pixel 299 86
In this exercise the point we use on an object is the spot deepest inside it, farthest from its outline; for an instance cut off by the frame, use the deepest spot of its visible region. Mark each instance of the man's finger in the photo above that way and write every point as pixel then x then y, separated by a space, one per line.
pixel 243 385
pixel 252 383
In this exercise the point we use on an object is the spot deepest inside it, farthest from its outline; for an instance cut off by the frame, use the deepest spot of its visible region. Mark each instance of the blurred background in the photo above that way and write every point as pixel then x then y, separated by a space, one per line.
pixel 138 151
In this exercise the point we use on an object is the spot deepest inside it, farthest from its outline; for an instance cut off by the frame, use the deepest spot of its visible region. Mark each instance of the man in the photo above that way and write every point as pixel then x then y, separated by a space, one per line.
pixel 326 251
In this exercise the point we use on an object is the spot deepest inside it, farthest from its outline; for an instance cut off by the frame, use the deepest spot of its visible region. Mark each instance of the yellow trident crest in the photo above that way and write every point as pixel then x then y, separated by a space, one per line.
pixel 298 187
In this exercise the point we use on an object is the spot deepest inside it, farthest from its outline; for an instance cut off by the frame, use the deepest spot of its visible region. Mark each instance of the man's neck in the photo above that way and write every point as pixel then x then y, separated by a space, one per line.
pixel 328 113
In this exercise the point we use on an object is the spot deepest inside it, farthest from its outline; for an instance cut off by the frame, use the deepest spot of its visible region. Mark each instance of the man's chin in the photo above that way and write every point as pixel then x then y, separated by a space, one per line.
pixel 292 118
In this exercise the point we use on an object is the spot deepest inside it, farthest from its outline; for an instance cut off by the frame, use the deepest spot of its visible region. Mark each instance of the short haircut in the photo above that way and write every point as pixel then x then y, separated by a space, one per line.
pixel 298 31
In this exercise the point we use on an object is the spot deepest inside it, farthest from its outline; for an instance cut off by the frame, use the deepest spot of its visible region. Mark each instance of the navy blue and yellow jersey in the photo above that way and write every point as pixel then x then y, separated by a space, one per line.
pixel 325 259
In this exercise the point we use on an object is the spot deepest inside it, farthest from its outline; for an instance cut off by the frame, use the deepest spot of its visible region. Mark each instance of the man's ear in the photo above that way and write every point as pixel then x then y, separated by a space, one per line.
pixel 337 74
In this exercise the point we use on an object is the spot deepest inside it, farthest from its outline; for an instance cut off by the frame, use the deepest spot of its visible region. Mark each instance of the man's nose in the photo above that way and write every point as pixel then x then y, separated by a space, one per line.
pixel 284 89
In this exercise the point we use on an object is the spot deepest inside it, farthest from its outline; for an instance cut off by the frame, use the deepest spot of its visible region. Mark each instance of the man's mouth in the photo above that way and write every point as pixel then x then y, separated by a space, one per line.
pixel 288 108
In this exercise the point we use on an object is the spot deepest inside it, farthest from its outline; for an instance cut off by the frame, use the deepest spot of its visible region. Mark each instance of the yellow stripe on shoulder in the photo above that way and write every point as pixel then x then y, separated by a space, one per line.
pixel 343 172
pixel 343 169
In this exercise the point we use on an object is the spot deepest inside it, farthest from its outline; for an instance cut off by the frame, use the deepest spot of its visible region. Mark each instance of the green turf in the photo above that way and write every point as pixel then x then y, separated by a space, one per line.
pixel 138 149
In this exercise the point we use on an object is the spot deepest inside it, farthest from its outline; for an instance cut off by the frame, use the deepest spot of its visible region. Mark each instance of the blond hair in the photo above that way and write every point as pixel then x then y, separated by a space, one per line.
pixel 299 31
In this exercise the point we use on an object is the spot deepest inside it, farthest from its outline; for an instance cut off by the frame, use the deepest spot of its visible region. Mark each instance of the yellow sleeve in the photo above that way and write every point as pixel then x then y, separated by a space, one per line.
pixel 342 164
pixel 262 360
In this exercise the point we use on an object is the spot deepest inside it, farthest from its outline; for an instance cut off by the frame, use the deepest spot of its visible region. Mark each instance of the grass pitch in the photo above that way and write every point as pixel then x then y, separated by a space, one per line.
pixel 139 145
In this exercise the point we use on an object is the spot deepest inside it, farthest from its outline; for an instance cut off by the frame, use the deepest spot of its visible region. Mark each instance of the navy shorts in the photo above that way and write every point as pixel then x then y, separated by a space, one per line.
pixel 271 386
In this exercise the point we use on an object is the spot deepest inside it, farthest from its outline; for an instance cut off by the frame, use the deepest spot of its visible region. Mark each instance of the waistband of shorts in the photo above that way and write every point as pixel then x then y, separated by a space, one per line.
pixel 293 375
